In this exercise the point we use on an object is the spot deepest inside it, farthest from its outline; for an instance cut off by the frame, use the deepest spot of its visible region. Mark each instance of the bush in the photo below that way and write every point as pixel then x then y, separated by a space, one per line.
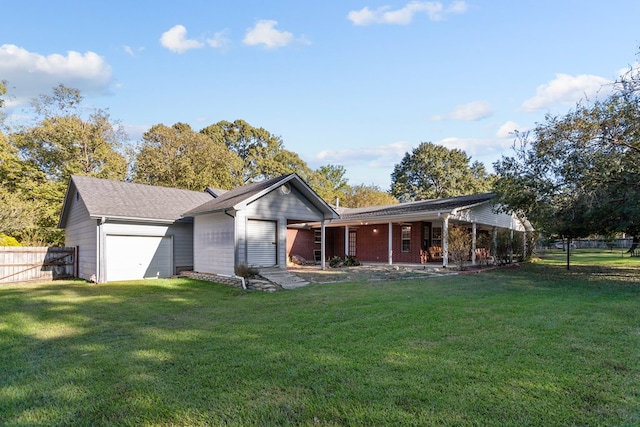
pixel 335 261
pixel 351 261
pixel 348 261
pixel 459 241
pixel 8 240
pixel 245 271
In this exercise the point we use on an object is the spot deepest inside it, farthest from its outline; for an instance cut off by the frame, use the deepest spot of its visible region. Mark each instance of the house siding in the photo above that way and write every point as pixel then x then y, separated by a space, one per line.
pixel 280 207
pixel 484 215
pixel 81 231
pixel 213 244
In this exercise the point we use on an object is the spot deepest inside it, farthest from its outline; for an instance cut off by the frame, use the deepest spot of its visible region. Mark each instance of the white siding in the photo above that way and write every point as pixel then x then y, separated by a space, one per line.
pixel 81 231
pixel 214 237
pixel 484 215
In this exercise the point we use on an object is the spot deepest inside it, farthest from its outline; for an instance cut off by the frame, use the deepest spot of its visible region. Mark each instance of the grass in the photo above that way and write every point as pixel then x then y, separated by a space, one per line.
pixel 535 345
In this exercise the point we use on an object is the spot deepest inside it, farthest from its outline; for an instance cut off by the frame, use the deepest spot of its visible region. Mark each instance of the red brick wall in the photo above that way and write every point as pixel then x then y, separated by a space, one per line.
pixel 300 242
pixel 371 246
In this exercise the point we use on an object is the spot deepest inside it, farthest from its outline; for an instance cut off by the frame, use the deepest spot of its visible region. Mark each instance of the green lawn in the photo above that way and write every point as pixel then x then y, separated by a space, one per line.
pixel 533 345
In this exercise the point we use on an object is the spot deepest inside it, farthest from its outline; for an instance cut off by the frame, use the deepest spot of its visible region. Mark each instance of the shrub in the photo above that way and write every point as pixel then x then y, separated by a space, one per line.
pixel 8 240
pixel 351 261
pixel 335 261
pixel 459 246
pixel 245 271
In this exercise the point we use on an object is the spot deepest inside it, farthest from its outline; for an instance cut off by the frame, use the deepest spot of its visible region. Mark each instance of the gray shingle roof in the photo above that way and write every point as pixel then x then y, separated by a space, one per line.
pixel 432 205
pixel 104 197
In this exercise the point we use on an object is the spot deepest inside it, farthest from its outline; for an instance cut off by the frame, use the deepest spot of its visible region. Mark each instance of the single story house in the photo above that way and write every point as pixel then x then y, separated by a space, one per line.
pixel 127 231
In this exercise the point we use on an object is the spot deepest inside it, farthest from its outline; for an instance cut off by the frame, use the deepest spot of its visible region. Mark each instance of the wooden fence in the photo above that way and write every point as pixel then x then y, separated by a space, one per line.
pixel 25 264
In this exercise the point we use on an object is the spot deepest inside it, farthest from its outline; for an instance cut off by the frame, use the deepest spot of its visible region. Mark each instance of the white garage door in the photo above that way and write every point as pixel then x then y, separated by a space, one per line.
pixel 261 243
pixel 138 257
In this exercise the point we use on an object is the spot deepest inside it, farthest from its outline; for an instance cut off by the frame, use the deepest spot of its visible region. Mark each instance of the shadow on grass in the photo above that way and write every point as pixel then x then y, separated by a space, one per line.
pixel 529 343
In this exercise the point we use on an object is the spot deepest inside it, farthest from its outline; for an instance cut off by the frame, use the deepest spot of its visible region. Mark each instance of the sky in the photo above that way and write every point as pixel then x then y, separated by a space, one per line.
pixel 351 83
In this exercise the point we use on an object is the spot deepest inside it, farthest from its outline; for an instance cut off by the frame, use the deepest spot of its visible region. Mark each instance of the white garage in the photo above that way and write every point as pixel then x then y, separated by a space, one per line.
pixel 138 257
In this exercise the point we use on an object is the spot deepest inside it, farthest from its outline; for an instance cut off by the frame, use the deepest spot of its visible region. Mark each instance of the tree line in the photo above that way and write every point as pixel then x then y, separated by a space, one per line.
pixel 573 175
pixel 67 138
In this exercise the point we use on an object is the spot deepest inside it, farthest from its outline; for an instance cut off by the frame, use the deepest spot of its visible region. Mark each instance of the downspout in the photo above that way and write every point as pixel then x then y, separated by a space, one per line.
pixel 100 257
pixel 244 284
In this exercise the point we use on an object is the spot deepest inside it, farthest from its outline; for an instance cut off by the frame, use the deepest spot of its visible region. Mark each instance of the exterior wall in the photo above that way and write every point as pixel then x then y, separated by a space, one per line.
pixel 81 231
pixel 301 242
pixel 484 215
pixel 213 244
pixel 280 207
pixel 182 234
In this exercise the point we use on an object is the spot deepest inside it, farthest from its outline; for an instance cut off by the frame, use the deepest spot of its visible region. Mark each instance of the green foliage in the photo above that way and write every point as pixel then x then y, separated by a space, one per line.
pixel 351 261
pixel 179 157
pixel 263 155
pixel 8 240
pixel 359 196
pixel 432 171
pixel 335 261
pixel 509 247
pixel 64 143
pixel 577 175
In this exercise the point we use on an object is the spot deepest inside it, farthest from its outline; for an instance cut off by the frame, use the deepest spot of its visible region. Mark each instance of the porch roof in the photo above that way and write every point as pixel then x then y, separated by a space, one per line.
pixel 424 209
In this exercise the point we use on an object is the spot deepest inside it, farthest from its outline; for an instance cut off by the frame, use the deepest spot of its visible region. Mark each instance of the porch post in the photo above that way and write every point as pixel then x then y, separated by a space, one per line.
pixel 445 240
pixel 474 230
pixel 511 245
pixel 494 243
pixel 323 246
pixel 346 241
pixel 390 244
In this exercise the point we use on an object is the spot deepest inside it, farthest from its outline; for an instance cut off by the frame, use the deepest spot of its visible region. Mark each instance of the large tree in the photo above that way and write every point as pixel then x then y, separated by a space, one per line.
pixel 360 196
pixel 263 154
pixel 37 161
pixel 177 156
pixel 63 142
pixel 578 174
pixel 432 171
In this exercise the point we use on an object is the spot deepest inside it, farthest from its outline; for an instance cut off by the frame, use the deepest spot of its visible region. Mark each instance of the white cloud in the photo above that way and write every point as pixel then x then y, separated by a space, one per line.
pixel 29 74
pixel 265 33
pixel 567 90
pixel 175 39
pixel 219 41
pixel 472 111
pixel 376 156
pixel 508 130
pixel 436 11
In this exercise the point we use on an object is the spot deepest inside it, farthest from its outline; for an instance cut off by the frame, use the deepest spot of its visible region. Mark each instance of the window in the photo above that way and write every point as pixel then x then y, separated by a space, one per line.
pixel 317 237
pixel 352 243
pixel 406 238
pixel 437 236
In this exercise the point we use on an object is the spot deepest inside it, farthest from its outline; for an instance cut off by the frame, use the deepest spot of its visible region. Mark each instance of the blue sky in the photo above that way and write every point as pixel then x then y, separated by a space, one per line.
pixel 352 83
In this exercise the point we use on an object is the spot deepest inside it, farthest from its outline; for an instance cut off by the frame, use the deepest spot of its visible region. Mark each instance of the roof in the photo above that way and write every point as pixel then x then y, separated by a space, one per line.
pixel 446 205
pixel 241 196
pixel 126 200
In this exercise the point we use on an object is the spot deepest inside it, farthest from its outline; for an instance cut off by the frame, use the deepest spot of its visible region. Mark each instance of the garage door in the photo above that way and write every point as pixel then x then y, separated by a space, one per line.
pixel 261 243
pixel 138 257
